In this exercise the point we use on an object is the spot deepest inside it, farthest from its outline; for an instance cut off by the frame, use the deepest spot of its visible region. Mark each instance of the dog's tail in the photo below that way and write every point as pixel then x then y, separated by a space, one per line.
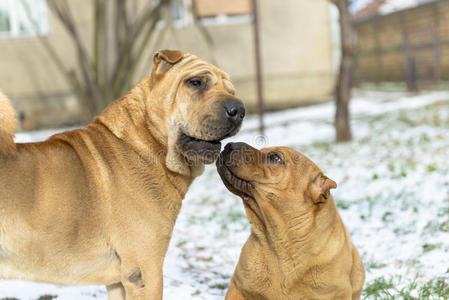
pixel 8 126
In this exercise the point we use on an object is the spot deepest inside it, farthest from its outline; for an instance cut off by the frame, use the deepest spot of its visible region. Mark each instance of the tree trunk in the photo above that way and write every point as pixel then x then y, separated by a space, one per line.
pixel 344 82
pixel 120 36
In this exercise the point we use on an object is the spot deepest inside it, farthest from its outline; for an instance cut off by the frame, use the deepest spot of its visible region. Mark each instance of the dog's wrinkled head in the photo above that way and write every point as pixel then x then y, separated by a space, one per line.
pixel 199 106
pixel 279 179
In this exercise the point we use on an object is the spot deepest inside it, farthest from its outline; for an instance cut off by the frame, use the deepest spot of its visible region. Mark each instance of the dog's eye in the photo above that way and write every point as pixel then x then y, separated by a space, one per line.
pixel 275 158
pixel 197 83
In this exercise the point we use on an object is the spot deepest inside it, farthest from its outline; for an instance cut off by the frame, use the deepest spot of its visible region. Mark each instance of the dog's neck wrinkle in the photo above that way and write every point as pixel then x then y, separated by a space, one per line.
pixel 140 126
pixel 128 117
pixel 151 121
pixel 294 243
pixel 180 182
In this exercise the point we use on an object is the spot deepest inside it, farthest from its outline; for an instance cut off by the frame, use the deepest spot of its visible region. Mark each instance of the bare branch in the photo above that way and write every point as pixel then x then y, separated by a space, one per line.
pixel 62 10
pixel 68 75
pixel 210 43
pixel 125 56
pixel 123 77
pixel 116 54
pixel 127 50
pixel 122 26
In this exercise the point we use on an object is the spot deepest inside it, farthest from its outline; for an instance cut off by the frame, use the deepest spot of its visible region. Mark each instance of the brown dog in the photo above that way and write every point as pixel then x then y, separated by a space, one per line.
pixel 299 247
pixel 98 205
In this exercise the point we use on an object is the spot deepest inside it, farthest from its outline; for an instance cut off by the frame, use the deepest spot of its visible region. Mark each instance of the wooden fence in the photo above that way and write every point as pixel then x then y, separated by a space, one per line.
pixel 410 45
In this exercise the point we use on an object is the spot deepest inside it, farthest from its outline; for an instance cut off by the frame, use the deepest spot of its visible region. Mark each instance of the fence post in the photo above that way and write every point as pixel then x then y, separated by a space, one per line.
pixel 259 82
pixel 436 45
pixel 379 53
pixel 409 63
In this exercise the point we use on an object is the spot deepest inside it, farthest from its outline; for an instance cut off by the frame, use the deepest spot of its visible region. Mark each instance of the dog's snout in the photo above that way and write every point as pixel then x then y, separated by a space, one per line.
pixel 234 146
pixel 235 110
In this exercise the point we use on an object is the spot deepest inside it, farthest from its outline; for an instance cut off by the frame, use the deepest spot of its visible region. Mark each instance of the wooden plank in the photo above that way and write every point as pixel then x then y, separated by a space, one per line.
pixel 212 8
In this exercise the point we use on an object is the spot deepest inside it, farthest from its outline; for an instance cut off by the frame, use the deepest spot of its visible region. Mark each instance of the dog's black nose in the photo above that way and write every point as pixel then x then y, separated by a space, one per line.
pixel 234 146
pixel 235 110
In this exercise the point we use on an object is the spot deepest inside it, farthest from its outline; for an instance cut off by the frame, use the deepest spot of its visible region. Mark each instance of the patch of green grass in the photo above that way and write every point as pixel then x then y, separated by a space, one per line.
pixel 8 298
pixel 391 167
pixel 221 217
pixel 444 212
pixel 235 215
pixel 444 226
pixel 438 287
pixel 436 226
pixel 404 118
pixel 429 247
pixel 387 217
pixel 47 297
pixel 389 289
pixel 321 145
pixel 403 230
pixel 431 228
pixel 379 288
pixel 342 204
pixel 371 264
pixel 181 243
pixel 221 286
pixel 432 167
pixel 424 139
pixel 383 86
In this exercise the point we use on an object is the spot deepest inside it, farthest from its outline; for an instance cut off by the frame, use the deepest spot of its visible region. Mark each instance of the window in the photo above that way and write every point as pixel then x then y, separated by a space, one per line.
pixel 223 12
pixel 179 14
pixel 210 12
pixel 15 18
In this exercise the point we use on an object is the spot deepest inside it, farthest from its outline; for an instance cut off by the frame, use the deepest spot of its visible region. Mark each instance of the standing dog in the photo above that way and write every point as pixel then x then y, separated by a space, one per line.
pixel 299 248
pixel 97 205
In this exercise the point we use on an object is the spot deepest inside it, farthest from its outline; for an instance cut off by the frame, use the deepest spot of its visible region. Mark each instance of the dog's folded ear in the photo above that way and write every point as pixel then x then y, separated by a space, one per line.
pixel 163 60
pixel 170 56
pixel 321 189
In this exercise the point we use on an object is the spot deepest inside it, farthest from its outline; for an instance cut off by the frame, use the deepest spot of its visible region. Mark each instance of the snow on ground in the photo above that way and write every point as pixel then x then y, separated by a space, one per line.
pixel 393 195
pixel 395 5
pixel 389 6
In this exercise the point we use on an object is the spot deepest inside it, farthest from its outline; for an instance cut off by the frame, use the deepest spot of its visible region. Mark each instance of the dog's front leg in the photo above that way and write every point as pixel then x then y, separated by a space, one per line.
pixel 116 292
pixel 234 293
pixel 143 281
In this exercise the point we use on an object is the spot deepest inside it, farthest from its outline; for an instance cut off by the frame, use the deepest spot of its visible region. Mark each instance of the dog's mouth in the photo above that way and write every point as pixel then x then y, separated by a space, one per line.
pixel 235 184
pixel 198 150
pixel 201 143
pixel 242 188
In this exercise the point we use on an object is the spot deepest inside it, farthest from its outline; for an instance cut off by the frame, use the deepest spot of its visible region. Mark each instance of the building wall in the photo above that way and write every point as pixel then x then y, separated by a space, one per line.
pixel 298 59
pixel 407 45
pixel 30 78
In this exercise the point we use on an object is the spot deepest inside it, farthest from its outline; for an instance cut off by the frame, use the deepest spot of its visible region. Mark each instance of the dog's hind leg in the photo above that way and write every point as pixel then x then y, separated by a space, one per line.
pixel 116 292
pixel 8 126
pixel 233 293
pixel 144 283
pixel 141 273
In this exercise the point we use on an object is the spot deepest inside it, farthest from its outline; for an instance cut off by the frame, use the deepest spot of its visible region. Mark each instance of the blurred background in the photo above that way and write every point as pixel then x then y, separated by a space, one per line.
pixel 311 73
pixel 66 60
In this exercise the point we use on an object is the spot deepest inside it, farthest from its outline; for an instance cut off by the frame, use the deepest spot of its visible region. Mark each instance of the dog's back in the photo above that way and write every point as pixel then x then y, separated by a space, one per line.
pixel 8 126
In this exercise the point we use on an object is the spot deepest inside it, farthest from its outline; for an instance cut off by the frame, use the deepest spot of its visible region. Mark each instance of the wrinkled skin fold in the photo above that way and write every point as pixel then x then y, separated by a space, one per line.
pixel 97 205
pixel 298 247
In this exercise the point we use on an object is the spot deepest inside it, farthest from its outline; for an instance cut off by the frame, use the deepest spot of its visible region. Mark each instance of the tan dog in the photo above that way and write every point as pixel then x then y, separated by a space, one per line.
pixel 299 247
pixel 98 205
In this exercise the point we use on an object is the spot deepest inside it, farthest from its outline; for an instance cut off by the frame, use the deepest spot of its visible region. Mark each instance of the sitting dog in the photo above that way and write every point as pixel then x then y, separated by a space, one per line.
pixel 97 205
pixel 298 247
